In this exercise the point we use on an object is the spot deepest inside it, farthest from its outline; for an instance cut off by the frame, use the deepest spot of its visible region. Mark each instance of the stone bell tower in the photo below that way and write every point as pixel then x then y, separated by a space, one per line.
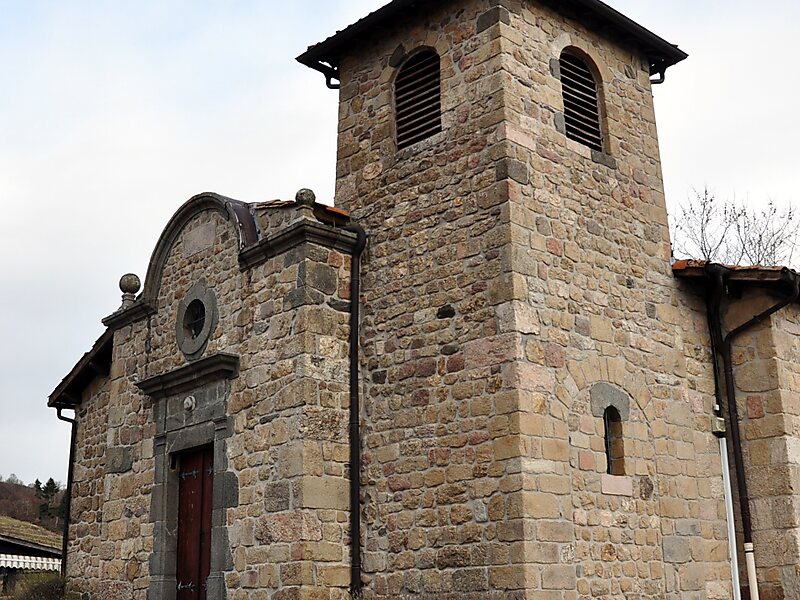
pixel 525 430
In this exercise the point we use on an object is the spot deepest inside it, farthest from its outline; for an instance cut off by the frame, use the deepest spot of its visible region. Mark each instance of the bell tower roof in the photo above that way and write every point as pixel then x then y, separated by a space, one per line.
pixel 593 14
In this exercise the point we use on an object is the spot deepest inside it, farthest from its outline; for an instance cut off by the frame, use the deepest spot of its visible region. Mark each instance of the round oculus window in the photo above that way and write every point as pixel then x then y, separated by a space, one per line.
pixel 197 318
pixel 194 319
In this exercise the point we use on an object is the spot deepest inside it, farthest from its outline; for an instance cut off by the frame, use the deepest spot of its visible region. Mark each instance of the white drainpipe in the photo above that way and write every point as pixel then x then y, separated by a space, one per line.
pixel 726 479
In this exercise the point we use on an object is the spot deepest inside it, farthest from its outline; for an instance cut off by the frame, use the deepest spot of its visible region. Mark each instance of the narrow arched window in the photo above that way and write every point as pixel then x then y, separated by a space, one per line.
pixel 615 450
pixel 418 98
pixel 581 101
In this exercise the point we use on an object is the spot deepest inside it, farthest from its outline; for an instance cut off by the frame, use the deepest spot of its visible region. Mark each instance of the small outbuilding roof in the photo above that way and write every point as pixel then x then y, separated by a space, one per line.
pixel 28 535
pixel 594 14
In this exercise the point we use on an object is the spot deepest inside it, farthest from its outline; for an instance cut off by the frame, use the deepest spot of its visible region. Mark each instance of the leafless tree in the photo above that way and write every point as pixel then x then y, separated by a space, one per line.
pixel 733 233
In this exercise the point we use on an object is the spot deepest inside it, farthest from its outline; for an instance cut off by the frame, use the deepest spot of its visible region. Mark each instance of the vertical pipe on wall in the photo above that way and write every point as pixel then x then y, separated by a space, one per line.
pixel 355 412
pixel 734 556
pixel 723 346
pixel 68 490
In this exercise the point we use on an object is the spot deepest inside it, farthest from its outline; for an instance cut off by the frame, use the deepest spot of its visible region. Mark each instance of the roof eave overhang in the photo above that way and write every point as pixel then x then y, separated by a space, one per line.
pixel 324 56
pixel 757 276
pixel 95 363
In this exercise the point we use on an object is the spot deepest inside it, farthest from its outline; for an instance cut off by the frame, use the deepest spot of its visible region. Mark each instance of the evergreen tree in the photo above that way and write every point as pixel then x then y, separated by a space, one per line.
pixel 49 508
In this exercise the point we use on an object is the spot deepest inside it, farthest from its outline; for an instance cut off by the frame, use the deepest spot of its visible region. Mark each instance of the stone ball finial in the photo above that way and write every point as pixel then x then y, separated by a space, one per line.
pixel 130 284
pixel 305 197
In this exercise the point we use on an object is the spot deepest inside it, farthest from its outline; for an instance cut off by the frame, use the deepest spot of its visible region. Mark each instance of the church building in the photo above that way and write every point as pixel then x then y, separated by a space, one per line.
pixel 479 375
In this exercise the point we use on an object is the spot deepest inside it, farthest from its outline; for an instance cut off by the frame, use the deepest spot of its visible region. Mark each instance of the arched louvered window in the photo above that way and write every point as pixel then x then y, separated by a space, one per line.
pixel 418 99
pixel 581 102
pixel 615 448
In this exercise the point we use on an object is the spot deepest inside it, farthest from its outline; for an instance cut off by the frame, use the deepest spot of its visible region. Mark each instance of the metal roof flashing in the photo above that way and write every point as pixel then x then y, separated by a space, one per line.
pixel 594 14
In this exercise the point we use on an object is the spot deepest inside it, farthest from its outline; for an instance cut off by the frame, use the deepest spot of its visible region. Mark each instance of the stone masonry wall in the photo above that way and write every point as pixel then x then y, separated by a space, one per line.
pixel 509 273
pixel 785 511
pixel 439 433
pixel 281 448
pixel 590 244
pixel 88 476
pixel 765 367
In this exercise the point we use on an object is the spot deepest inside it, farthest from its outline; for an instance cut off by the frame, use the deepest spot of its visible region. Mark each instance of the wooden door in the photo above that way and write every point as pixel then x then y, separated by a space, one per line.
pixel 194 523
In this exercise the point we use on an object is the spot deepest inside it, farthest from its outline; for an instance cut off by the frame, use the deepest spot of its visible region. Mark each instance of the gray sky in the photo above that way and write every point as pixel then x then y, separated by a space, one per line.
pixel 114 113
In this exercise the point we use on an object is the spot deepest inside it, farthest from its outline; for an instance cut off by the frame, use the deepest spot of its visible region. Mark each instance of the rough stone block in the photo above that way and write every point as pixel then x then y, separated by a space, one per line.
pixel 119 459
pixel 276 496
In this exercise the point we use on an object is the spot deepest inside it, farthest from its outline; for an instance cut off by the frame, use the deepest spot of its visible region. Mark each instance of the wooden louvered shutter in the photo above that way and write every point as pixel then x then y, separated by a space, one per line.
pixel 418 100
pixel 581 105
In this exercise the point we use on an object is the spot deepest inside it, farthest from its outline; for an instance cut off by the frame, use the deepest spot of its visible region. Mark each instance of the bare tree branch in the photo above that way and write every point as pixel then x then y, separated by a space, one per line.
pixel 733 233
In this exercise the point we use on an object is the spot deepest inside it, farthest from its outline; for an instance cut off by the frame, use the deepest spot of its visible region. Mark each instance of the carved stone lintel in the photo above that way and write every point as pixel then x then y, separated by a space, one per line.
pixel 214 368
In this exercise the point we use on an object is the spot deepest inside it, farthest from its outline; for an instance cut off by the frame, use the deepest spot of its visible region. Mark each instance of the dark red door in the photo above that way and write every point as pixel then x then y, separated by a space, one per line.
pixel 194 523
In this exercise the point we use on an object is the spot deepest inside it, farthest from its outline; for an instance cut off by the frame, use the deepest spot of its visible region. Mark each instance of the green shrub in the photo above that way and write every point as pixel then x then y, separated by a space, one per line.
pixel 40 586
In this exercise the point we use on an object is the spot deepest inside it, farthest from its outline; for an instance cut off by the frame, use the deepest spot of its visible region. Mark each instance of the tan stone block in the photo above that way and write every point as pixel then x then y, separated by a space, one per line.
pixel 117 530
pixel 318 551
pixel 509 447
pixel 334 576
pixel 507 577
pixel 541 506
pixel 558 450
pixel 324 492
pixel 314 593
pixel 559 577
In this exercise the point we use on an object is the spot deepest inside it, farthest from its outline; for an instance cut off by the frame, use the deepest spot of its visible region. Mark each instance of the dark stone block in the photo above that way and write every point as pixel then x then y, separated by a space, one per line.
pixel 555 67
pixel 223 429
pixel 322 277
pixel 604 159
pixel 449 349
pixel 560 123
pixel 276 496
pixel 398 57
pixel 493 16
pixel 291 257
pixel 157 503
pixel 508 168
pixel 446 312
pixel 603 395
pixel 677 550
pixel 317 254
pixel 340 305
pixel 650 308
pixel 230 490
pixel 220 458
pixel 161 467
pixel 192 437
pixel 162 563
pixel 303 296
pixel 216 587
pixel 119 459
pixel 221 559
